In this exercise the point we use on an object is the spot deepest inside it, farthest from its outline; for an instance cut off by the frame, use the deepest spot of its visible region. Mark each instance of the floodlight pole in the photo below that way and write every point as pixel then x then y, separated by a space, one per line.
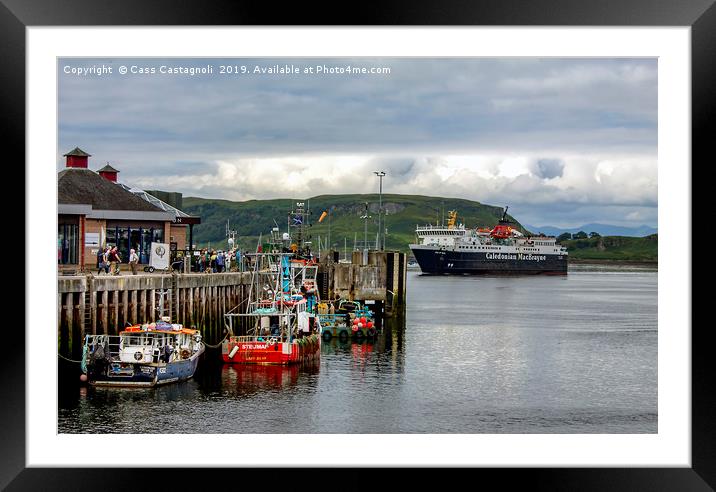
pixel 380 244
pixel 365 235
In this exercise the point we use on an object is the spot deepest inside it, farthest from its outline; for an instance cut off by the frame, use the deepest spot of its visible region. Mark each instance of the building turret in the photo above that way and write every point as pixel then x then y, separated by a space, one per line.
pixel 109 173
pixel 77 158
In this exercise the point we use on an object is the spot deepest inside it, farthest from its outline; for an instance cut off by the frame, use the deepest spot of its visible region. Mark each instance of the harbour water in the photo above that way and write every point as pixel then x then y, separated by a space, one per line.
pixel 571 354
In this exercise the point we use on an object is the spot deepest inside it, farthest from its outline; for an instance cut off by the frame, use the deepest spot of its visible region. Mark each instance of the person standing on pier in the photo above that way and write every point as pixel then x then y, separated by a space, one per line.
pixel 101 262
pixel 212 261
pixel 220 262
pixel 114 261
pixel 133 260
pixel 105 260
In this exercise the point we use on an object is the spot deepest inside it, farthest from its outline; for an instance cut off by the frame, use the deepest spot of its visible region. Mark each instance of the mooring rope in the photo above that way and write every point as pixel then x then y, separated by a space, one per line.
pixel 218 344
pixel 69 360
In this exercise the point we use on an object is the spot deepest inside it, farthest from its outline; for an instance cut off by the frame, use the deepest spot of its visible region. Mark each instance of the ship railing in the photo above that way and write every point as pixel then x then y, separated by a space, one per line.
pixel 431 227
pixel 116 342
pixel 255 338
pixel 332 318
pixel 112 343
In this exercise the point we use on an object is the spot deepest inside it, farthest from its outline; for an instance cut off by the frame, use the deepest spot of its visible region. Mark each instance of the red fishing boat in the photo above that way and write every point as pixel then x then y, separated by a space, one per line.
pixel 280 320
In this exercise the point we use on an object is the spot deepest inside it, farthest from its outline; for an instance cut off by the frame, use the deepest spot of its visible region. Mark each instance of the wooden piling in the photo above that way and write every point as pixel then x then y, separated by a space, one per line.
pixel 125 308
pixel 105 312
pixel 133 308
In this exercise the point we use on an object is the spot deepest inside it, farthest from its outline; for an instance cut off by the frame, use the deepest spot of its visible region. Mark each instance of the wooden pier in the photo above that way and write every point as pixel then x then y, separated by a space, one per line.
pixel 91 304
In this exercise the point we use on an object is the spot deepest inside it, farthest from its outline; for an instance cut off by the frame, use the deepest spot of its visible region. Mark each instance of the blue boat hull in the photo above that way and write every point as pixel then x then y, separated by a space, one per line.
pixel 143 375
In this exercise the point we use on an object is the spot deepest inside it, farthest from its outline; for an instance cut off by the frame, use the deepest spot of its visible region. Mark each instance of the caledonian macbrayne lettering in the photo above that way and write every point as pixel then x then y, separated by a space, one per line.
pixel 518 256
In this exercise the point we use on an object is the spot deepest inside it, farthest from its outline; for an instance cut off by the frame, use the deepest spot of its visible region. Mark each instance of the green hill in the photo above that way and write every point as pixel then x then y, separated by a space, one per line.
pixel 402 214
pixel 614 248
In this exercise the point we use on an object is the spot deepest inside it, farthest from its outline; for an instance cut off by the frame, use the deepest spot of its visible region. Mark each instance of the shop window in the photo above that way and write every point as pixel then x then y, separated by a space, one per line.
pixel 67 244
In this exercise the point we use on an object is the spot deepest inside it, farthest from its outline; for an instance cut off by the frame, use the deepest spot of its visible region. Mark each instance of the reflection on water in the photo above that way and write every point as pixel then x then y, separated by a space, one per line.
pixel 574 354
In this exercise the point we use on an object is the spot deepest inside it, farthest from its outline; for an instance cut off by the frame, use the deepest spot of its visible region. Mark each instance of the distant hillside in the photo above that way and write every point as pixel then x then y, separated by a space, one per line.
pixel 602 229
pixel 614 248
pixel 403 213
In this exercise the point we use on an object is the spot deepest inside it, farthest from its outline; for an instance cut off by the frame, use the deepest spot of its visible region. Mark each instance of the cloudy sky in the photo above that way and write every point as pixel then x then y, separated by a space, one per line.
pixel 563 142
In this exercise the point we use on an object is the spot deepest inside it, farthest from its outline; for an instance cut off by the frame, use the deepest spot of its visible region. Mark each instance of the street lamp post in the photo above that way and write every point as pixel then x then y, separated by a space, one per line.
pixel 365 235
pixel 380 175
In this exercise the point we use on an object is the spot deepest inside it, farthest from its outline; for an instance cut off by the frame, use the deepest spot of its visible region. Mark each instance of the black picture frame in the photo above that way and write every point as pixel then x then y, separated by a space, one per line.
pixel 700 15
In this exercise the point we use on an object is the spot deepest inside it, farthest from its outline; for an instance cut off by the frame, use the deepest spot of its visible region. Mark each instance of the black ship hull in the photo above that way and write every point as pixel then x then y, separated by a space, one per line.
pixel 437 261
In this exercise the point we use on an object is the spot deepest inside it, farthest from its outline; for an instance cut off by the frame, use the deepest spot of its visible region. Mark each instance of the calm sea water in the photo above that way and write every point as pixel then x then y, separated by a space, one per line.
pixel 574 354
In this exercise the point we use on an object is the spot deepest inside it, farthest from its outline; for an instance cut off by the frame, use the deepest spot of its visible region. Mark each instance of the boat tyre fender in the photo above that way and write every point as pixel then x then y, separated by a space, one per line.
pixel 138 355
pixel 343 336
pixel 359 334
pixel 185 353
pixel 371 332
pixel 327 335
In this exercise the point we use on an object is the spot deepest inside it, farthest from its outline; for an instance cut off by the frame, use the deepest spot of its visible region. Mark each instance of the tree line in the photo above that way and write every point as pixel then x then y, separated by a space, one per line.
pixel 577 235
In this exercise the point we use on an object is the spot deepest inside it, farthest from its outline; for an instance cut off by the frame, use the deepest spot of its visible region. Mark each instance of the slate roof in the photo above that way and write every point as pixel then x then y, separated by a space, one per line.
pixel 83 186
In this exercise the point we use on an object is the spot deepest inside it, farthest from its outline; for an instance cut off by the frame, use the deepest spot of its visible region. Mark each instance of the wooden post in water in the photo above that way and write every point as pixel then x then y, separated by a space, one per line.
pixel 152 305
pixel 65 324
pixel 190 292
pixel 115 313
pixel 105 312
pixel 93 305
pixel 83 310
pixel 213 304
pixel 204 317
pixel 125 307
pixel 77 322
pixel 142 294
pixel 133 308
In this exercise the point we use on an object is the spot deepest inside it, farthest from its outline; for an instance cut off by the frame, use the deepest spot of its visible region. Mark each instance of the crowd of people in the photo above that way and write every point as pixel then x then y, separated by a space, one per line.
pixel 207 261
pixel 213 261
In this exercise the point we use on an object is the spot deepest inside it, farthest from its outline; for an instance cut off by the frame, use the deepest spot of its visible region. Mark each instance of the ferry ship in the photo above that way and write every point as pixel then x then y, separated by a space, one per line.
pixel 453 249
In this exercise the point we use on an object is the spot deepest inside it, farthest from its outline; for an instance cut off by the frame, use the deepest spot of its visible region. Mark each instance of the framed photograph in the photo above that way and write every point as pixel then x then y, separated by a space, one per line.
pixel 533 137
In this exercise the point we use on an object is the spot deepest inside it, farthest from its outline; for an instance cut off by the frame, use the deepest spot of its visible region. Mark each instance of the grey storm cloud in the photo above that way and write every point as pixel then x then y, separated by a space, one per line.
pixel 397 167
pixel 545 132
pixel 547 168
